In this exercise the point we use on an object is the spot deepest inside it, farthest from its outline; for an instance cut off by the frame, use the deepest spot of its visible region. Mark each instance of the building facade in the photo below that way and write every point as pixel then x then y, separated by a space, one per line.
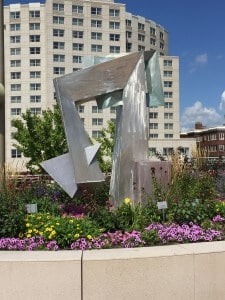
pixel 44 41
pixel 210 141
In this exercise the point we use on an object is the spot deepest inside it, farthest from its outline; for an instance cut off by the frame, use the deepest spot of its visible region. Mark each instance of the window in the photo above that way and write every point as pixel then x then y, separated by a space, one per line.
pixel 221 136
pixel 78 47
pixel 15 75
pixel 35 62
pixel 141 48
pixel 129 34
pixel 80 108
pixel 58 20
pixel 35 38
pixel 96 48
pixel 153 135
pixel 35 50
pixel 15 15
pixel 78 34
pixel 15 87
pixel 141 37
pixel 114 49
pixel 58 7
pixel 95 110
pixel 15 99
pixel 128 23
pixel 15 39
pixel 128 47
pixel 35 86
pixel 96 11
pixel 152 151
pixel 96 35
pixel 34 26
pixel 77 22
pixel 141 26
pixel 76 69
pixel 35 98
pixel 59 57
pixel 167 73
pixel 153 115
pixel 221 147
pixel 34 14
pixel 15 153
pixel 168 126
pixel 167 63
pixel 161 35
pixel 161 46
pixel 168 115
pixel 14 27
pixel 96 133
pixel 97 121
pixel 152 31
pixel 15 111
pixel 168 151
pixel 168 135
pixel 168 104
pixel 58 45
pixel 168 94
pixel 58 32
pixel 114 25
pixel 78 9
pixel 77 59
pixel 35 110
pixel 15 51
pixel 168 84
pixel 35 74
pixel 114 37
pixel 113 110
pixel 15 63
pixel 59 70
pixel 114 12
pixel 153 125
pixel 96 23
pixel 152 41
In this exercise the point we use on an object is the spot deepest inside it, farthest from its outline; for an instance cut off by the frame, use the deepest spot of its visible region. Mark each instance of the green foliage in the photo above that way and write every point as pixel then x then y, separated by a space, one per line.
pixel 106 150
pixel 150 237
pixel 40 137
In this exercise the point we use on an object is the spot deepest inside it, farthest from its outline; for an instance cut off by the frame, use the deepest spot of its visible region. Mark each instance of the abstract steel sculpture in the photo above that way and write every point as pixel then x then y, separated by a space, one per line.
pixel 125 82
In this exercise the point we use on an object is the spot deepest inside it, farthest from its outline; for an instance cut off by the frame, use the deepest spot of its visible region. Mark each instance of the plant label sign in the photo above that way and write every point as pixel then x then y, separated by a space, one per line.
pixel 162 205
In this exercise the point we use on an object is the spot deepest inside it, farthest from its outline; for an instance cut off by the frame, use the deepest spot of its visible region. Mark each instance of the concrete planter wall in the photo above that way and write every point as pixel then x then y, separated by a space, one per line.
pixel 188 271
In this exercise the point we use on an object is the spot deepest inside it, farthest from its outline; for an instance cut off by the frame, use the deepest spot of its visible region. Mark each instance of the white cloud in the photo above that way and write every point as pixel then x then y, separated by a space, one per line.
pixel 208 116
pixel 222 102
pixel 201 59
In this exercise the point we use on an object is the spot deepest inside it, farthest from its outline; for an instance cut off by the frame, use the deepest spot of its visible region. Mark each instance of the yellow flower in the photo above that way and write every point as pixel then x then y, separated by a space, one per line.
pixel 89 236
pixel 127 201
pixel 28 225
pixel 71 221
pixel 76 235
pixel 28 235
pixel 29 231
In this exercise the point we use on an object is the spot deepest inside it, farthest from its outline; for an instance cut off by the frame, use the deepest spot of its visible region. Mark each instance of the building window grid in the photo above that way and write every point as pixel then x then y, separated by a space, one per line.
pixel 15 63
pixel 35 62
pixel 114 49
pixel 59 70
pixel 35 98
pixel 15 153
pixel 95 109
pixel 168 126
pixel 96 23
pixel 59 57
pixel 96 11
pixel 168 94
pixel 77 34
pixel 168 115
pixel 153 125
pixel 96 48
pixel 15 27
pixel 97 121
pixel 15 51
pixel 114 12
pixel 77 22
pixel 96 36
pixel 78 47
pixel 114 25
pixel 15 39
pixel 34 26
pixel 35 38
pixel 15 99
pixel 15 111
pixel 35 86
pixel 34 14
pixel 35 110
pixel 15 87
pixel 114 37
pixel 153 115
pixel 77 59
pixel 58 32
pixel 58 45
pixel 77 9
pixel 221 136
pixel 35 50
pixel 58 7
pixel 96 133
pixel 58 20
pixel 168 84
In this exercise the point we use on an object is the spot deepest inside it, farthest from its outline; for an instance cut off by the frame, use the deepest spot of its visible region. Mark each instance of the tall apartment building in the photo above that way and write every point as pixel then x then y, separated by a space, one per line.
pixel 43 41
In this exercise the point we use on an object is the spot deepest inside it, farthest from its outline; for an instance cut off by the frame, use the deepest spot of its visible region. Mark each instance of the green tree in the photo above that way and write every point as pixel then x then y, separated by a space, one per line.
pixel 40 137
pixel 106 150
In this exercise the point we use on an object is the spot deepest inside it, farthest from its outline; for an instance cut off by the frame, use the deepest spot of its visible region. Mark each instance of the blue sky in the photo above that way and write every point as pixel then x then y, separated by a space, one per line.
pixel 196 34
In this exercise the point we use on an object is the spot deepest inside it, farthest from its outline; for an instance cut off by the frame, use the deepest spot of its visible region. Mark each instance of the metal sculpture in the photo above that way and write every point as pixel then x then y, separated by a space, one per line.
pixel 125 82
